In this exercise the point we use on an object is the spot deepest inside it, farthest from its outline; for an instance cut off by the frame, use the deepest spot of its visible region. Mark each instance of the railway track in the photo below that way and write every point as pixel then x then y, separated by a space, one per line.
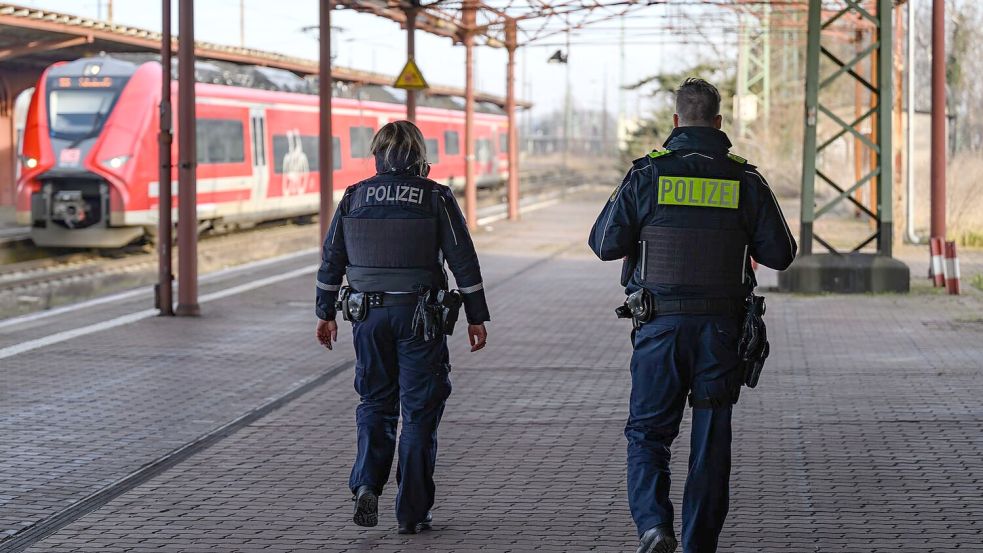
pixel 46 283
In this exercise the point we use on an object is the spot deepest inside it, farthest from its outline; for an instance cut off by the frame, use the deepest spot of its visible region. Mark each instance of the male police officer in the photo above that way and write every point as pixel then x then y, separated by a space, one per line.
pixel 687 220
pixel 391 235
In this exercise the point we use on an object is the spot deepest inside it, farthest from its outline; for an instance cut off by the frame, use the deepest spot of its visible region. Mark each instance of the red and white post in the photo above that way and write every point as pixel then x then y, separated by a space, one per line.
pixel 951 269
pixel 936 270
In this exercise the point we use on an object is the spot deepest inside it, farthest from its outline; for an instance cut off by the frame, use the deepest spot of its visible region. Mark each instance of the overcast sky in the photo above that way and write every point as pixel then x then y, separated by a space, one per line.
pixel 372 43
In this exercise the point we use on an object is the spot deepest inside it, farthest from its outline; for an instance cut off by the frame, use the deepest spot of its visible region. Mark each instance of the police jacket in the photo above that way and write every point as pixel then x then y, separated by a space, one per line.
pixel 393 233
pixel 688 219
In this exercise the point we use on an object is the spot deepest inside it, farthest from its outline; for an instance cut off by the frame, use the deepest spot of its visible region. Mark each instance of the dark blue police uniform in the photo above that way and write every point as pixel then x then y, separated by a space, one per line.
pixel 688 219
pixel 392 234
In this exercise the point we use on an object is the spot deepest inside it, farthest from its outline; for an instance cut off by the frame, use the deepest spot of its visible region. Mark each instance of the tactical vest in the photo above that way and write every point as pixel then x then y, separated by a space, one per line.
pixel 391 236
pixel 697 236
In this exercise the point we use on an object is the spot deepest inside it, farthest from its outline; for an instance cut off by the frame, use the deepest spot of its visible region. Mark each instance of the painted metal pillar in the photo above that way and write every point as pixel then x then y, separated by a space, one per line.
pixel 754 71
pixel 469 17
pixel 854 270
pixel 938 222
pixel 885 134
pixel 165 278
pixel 897 110
pixel 858 111
pixel 410 55
pixel 325 145
pixel 567 126
pixel 513 132
pixel 8 152
pixel 910 129
pixel 876 102
pixel 807 213
pixel 187 222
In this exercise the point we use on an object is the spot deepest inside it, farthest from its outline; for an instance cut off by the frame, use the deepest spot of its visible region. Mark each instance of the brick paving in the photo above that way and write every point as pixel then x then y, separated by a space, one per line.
pixel 866 433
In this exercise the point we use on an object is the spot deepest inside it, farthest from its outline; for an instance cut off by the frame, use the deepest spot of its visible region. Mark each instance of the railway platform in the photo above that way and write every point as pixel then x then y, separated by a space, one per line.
pixel 9 229
pixel 235 431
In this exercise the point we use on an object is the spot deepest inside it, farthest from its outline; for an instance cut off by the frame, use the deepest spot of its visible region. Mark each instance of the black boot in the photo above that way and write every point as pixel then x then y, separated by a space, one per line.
pixel 660 539
pixel 415 528
pixel 366 506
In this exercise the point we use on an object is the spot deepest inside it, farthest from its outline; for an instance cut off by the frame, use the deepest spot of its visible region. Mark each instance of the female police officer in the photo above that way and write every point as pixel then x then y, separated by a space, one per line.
pixel 391 235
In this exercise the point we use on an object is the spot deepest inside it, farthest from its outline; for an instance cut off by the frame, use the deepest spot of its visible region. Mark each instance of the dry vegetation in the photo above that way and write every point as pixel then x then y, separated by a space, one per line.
pixel 965 199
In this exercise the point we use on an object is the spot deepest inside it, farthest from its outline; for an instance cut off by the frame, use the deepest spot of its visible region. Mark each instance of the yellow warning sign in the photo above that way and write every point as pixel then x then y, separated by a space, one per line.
pixel 411 78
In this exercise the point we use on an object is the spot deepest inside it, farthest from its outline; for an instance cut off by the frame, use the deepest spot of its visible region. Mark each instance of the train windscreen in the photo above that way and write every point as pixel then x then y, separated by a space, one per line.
pixel 77 108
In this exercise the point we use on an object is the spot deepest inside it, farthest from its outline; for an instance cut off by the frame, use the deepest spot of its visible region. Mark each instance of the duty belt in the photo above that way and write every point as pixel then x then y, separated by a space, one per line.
pixel 354 306
pixel 385 299
pixel 698 306
pixel 642 307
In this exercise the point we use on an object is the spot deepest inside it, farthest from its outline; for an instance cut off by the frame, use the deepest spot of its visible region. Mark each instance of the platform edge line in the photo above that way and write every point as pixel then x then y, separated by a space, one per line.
pixel 65 335
pixel 134 292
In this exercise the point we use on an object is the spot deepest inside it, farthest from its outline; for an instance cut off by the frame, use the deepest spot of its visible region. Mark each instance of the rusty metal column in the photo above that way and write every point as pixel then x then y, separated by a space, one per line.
pixel 165 289
pixel 938 120
pixel 410 54
pixel 513 151
pixel 469 17
pixel 187 220
pixel 325 149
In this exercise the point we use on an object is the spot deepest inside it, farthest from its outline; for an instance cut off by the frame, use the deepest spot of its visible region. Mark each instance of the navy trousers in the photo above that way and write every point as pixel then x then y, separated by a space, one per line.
pixel 674 356
pixel 397 373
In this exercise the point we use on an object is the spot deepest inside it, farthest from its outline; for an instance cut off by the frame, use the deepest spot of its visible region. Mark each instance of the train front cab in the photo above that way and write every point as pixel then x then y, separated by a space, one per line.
pixel 72 190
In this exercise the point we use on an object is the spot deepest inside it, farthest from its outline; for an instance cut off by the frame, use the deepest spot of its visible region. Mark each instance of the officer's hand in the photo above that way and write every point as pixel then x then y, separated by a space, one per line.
pixel 327 332
pixel 478 336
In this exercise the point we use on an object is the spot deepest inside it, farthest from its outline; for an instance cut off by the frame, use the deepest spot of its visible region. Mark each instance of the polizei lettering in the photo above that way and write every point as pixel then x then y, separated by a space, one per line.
pixel 394 193
pixel 699 192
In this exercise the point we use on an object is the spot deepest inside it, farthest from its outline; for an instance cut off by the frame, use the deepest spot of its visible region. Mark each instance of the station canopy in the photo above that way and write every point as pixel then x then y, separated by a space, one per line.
pixel 538 20
pixel 535 20
pixel 32 39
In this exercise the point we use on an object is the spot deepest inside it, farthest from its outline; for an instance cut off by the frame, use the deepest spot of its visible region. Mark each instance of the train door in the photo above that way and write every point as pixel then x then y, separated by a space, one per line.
pixel 261 170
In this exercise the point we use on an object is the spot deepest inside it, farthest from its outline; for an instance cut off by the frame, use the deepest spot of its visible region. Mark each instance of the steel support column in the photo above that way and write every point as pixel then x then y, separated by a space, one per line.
pixel 469 17
pixel 938 222
pixel 410 55
pixel 754 69
pixel 165 278
pixel 885 134
pixel 187 229
pixel 513 134
pixel 808 207
pixel 325 148
pixel 857 269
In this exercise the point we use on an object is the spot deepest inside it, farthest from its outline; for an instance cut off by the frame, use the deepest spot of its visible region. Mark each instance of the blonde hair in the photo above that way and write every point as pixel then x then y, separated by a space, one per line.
pixel 403 139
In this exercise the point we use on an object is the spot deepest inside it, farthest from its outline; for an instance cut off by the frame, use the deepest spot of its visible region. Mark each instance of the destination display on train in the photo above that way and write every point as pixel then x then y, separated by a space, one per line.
pixel 85 82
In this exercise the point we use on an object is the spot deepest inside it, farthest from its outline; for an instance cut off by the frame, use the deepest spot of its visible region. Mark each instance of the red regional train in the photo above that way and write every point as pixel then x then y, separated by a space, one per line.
pixel 89 156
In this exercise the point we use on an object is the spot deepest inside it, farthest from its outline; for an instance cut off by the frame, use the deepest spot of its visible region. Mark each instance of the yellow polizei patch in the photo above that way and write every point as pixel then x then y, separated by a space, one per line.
pixel 699 192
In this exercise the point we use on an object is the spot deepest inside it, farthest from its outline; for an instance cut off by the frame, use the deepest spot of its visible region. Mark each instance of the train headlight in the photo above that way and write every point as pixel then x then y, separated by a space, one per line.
pixel 116 162
pixel 30 162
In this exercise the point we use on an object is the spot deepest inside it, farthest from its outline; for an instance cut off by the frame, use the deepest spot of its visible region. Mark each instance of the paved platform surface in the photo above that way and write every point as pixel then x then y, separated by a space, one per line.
pixel 866 433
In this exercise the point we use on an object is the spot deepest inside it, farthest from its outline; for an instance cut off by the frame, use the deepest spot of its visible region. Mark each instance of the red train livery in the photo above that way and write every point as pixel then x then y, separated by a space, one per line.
pixel 89 157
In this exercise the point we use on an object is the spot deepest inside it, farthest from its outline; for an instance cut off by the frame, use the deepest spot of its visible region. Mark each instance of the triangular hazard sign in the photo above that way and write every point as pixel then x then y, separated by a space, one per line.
pixel 410 77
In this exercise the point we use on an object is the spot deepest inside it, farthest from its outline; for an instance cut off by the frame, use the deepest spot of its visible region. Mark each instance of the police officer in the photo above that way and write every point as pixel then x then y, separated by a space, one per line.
pixel 688 220
pixel 391 236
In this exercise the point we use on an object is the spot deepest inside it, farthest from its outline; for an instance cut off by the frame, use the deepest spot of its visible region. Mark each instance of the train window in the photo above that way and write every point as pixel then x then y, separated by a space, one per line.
pixel 336 152
pixel 261 139
pixel 503 142
pixel 452 143
pixel 77 114
pixel 484 150
pixel 361 141
pixel 220 141
pixel 257 130
pixel 433 150
pixel 295 153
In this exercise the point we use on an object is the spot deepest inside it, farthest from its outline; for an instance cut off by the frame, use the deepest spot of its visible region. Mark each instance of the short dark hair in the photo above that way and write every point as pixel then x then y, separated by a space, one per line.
pixel 697 102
